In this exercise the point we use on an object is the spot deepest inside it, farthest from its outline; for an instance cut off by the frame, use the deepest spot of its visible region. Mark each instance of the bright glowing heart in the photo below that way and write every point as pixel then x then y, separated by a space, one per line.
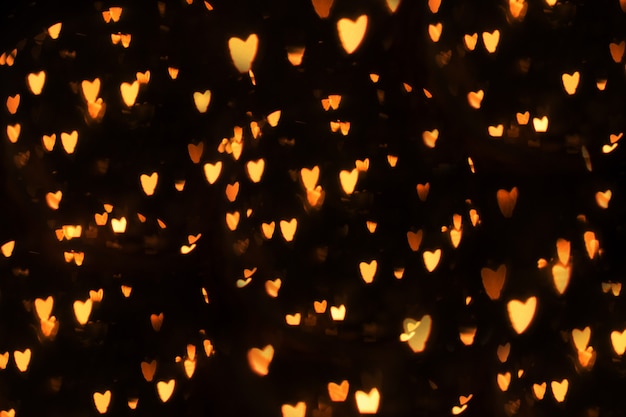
pixel 49 141
pixel 570 82
pixel 149 182
pixel 119 225
pixel 212 171
pixel 22 359
pixel 351 32
pixel 539 390
pixel 491 40
pixel 69 141
pixel 338 313
pixel 255 169
pixel 420 331
pixel 475 98
pixel 13 132
pixel 561 275
pixel 540 124
pixel 559 389
pixel 431 259
pixel 44 307
pixel 243 52
pixel 430 137
pixel 368 270
pixel 91 89
pixel 503 381
pixel 471 41
pixel 53 199
pixel 165 389
pixel 260 359
pixel 202 100
pixel 348 180
pixel 367 403
pixel 298 410
pixel 82 310
pixel 102 400
pixel 320 306
pixel 129 92
pixel 36 82
pixel 521 313
pixel 310 177
pixel 603 198
pixel 618 340
pixel 434 31
pixel 581 338
pixel 338 392
pixel 288 228
pixel 272 287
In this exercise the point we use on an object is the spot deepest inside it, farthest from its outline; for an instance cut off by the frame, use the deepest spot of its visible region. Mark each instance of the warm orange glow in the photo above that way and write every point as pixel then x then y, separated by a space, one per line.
pixel 13 103
pixel 320 306
pixel 102 400
pixel 581 338
pixel 82 310
pixel 298 410
pixel 212 171
pixel 422 191
pixel 255 169
pixel 273 118
pixel 507 201
pixel 416 333
pixel 322 7
pixel 243 52
pixel 503 352
pixel 496 131
pixel 268 229
pixel 491 40
pixel 618 340
pixel 617 51
pixel 475 98
pixel 563 250
pixel 156 320
pixel 371 226
pixel 521 313
pixel 614 287
pixel 13 132
pixel 430 137
pixel 367 403
pixel 148 370
pixel 368 270
pixel 129 92
pixel 471 41
pixel 570 82
pixel 518 8
pixel 540 124
pixel 7 248
pixel 493 281
pixel 260 359
pixel 431 259
pixel 295 55
pixel 126 290
pixel 467 335
pixel 288 228
pixel 539 390
pixel 393 5
pixel 119 225
pixel 293 319
pixel 434 31
pixel 43 308
pixel 503 381
pixel 4 360
pixel 69 141
pixel 165 389
pixel 202 101
pixel 559 389
pixel 392 160
pixel 338 313
pixel 414 239
pixel 522 118
pixel 36 82
pixel 603 198
pixel 91 89
pixel 232 220
pixel 338 392
pixel 22 359
pixel 53 199
pixel 362 166
pixel 173 72
pixel 561 275
pixel 149 182
pixel 272 287
pixel 351 32
pixel 348 180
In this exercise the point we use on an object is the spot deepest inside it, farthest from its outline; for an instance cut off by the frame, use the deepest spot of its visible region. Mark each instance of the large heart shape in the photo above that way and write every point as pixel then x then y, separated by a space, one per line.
pixel 351 32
